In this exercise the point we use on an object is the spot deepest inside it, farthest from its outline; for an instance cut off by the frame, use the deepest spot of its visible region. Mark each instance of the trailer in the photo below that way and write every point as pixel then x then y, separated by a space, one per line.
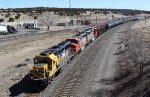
pixel 31 26
pixel 7 30
pixel 11 30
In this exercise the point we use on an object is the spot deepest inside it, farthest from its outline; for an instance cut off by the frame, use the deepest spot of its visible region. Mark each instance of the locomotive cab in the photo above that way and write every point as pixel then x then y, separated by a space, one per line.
pixel 44 68
pixel 49 63
pixel 75 45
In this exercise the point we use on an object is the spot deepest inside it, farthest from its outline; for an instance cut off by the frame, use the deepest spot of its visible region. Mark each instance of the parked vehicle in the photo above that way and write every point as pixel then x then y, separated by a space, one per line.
pixel 3 30
pixel 7 30
pixel 11 29
pixel 32 26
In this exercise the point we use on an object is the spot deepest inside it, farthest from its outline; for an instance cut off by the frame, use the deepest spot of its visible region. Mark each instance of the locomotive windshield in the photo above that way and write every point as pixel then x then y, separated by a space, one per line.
pixel 73 41
pixel 39 60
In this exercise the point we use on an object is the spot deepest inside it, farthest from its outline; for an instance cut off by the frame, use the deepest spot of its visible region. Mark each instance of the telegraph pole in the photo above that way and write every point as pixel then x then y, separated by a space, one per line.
pixel 70 8
pixel 69 3
pixel 145 19
pixel 96 19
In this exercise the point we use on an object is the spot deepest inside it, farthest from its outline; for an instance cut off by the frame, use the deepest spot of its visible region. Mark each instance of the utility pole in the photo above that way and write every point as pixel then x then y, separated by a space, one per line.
pixel 69 3
pixel 70 8
pixel 145 19
pixel 90 17
pixel 96 18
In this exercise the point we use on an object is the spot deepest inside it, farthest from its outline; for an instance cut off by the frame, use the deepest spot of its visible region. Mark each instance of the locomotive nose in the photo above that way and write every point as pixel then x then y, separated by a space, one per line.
pixel 73 47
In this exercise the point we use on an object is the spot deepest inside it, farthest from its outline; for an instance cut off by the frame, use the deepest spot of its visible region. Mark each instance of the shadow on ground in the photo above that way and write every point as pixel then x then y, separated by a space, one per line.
pixel 147 94
pixel 25 86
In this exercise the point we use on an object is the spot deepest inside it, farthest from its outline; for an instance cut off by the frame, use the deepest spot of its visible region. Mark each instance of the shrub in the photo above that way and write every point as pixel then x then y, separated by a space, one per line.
pixel 1 20
pixel 7 15
pixel 17 17
pixel 35 17
pixel 11 19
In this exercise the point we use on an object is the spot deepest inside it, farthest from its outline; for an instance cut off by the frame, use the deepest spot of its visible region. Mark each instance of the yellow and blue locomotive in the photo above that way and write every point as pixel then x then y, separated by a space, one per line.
pixel 49 63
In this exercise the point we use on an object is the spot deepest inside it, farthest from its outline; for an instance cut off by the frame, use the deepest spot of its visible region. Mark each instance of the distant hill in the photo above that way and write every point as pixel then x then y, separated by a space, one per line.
pixel 73 11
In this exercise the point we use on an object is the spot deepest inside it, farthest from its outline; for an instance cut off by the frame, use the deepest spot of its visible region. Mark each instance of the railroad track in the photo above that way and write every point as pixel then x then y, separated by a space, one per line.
pixel 35 34
pixel 27 35
pixel 70 85
pixel 32 95
pixel 72 82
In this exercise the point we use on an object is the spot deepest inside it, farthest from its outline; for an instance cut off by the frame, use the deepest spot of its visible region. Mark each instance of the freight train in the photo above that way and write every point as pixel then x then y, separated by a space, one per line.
pixel 49 64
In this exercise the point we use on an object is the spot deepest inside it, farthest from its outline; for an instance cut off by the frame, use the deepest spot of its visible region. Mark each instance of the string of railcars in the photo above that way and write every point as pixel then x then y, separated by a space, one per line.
pixel 49 63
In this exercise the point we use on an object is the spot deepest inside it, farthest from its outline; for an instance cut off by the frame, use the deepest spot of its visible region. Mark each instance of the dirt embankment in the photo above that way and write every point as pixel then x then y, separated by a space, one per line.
pixel 133 65
pixel 120 67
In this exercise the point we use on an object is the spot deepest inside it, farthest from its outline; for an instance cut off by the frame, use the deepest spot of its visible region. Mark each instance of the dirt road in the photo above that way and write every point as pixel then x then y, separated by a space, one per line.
pixel 88 72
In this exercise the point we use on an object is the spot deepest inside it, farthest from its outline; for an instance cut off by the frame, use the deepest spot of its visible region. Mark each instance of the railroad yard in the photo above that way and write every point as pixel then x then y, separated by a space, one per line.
pixel 20 50
pixel 101 74
pixel 94 53
pixel 98 73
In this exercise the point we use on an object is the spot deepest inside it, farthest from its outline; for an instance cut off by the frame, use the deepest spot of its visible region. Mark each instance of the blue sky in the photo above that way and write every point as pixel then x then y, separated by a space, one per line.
pixel 120 4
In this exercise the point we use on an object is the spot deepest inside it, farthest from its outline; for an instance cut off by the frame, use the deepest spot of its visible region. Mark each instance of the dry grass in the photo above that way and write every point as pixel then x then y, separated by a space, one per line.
pixel 129 82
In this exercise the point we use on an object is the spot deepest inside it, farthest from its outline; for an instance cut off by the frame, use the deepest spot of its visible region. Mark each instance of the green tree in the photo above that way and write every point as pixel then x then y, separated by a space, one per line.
pixel 7 15
pixel 35 17
pixel 1 20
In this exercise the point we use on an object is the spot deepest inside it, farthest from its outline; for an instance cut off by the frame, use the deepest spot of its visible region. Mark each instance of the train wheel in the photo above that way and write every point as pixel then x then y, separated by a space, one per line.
pixel 58 72
pixel 29 81
pixel 54 76
pixel 46 81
